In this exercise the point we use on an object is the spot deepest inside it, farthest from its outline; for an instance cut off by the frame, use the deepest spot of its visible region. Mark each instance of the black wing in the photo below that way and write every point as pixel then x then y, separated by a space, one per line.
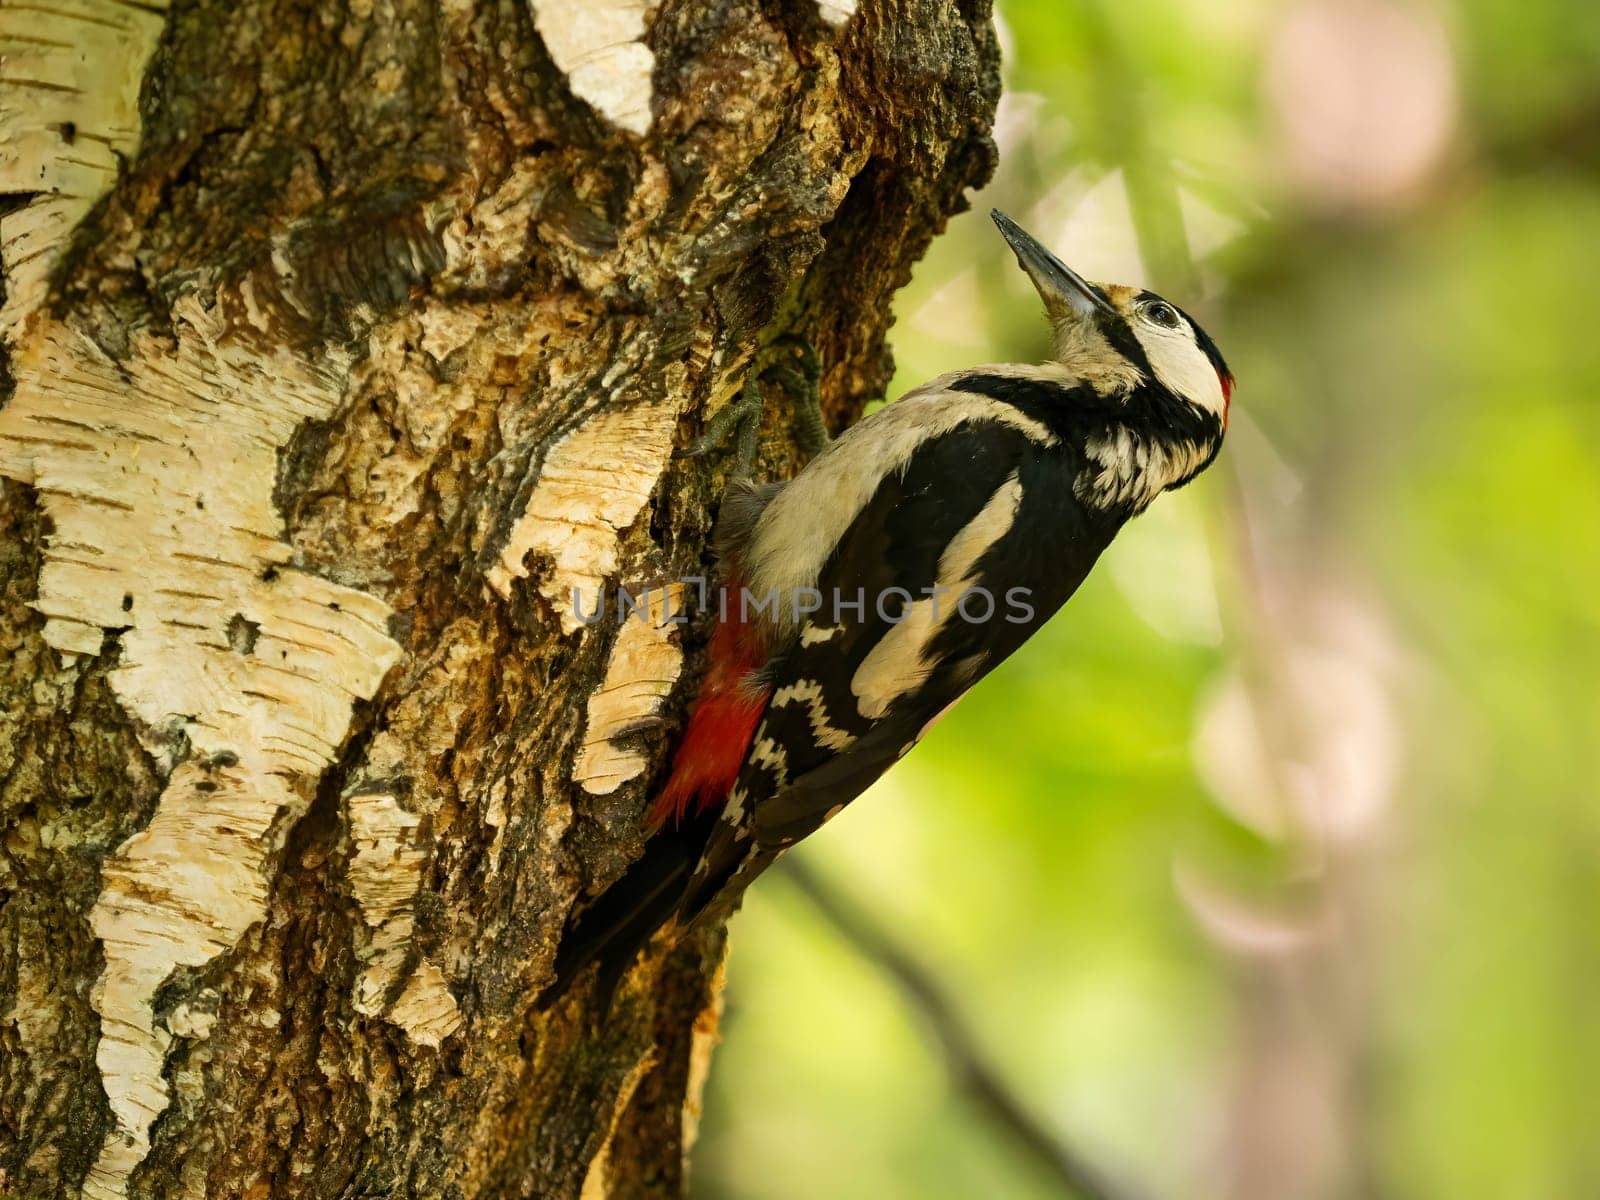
pixel 822 742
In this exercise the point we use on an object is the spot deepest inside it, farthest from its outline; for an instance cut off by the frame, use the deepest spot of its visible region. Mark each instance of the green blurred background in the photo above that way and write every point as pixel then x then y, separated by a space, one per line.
pixel 1268 869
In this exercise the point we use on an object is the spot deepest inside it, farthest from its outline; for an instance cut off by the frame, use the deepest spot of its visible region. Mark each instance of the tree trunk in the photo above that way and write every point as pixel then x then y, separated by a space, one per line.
pixel 341 343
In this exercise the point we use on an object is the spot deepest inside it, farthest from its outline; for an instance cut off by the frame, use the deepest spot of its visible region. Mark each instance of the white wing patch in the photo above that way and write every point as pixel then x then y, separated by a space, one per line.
pixel 810 516
pixel 809 693
pixel 896 665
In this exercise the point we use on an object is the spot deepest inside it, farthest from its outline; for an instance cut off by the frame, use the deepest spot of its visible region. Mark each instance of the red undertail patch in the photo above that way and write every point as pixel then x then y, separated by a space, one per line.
pixel 721 725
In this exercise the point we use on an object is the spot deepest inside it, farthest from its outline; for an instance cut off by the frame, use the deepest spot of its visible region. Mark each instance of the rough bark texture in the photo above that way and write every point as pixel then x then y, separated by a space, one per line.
pixel 340 342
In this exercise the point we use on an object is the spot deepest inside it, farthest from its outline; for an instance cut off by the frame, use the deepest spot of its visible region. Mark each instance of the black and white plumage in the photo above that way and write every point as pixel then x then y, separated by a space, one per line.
pixel 1001 483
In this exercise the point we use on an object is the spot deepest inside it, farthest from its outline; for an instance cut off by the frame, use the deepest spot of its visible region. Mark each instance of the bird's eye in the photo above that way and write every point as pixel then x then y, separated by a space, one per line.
pixel 1162 314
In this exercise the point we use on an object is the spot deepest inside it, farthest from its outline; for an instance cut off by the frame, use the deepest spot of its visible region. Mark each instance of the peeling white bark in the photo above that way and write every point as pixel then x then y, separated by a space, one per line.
pixel 836 12
pixel 385 865
pixel 425 1009
pixel 644 666
pixel 703 1042
pixel 598 46
pixel 385 873
pixel 157 473
pixel 578 510
pixel 69 112
pixel 596 1184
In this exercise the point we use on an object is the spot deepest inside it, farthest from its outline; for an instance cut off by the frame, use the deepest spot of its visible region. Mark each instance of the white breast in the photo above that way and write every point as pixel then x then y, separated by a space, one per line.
pixel 1134 470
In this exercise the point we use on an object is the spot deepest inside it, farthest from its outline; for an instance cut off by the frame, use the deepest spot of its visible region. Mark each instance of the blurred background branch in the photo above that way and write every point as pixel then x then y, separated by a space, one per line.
pixel 977 1078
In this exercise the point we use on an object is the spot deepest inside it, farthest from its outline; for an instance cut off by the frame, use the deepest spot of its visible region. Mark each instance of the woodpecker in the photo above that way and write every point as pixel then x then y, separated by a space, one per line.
pixel 908 558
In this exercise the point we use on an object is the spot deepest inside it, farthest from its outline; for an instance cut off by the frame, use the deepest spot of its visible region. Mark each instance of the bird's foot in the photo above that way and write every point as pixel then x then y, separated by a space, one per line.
pixel 795 366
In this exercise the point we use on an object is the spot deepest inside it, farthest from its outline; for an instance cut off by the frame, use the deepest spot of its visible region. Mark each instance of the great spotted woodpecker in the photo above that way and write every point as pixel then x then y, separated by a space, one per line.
pixel 902 564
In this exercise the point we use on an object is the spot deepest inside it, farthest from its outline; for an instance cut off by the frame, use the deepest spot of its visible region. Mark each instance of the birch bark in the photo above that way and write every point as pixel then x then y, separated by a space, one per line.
pixel 339 344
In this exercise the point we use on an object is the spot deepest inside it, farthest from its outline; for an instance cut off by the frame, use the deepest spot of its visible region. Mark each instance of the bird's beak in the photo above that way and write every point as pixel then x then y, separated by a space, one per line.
pixel 1061 288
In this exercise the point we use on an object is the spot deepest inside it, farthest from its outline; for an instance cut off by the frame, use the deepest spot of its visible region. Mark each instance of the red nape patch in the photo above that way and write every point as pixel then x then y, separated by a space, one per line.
pixel 1227 396
pixel 721 725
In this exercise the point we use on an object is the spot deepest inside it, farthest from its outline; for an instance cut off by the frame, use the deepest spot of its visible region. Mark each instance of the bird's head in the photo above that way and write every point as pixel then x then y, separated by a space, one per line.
pixel 1123 340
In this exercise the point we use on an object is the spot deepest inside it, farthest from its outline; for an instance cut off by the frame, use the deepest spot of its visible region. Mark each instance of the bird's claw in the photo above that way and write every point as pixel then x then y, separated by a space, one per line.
pixel 742 415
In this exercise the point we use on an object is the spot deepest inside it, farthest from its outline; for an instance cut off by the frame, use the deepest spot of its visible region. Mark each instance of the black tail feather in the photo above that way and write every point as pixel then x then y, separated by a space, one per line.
pixel 613 929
